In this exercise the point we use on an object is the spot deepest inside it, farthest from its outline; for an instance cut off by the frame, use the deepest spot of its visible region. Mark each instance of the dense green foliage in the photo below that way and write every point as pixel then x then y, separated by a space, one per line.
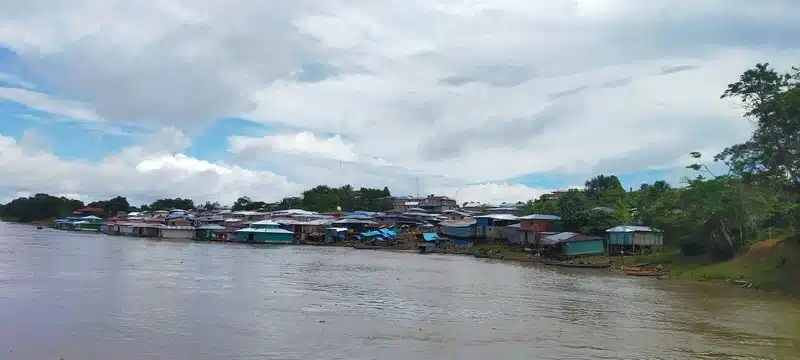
pixel 169 204
pixel 713 214
pixel 325 198
pixel 39 207
pixel 112 206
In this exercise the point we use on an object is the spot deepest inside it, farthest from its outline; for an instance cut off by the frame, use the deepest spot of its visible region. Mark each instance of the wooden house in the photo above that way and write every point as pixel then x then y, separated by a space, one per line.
pixel 568 244
pixel 634 238
pixel 533 227
pixel 495 226
pixel 264 236
pixel 207 232
pixel 463 229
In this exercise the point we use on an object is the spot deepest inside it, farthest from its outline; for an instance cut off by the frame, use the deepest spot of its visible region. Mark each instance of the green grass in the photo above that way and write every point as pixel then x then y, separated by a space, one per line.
pixel 504 252
pixel 771 265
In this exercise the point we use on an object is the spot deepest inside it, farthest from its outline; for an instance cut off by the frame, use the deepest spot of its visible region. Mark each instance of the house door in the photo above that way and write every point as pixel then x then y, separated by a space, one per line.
pixel 250 237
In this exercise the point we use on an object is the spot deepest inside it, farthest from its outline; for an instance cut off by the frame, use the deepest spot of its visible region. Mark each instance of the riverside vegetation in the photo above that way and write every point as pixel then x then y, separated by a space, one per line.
pixel 736 219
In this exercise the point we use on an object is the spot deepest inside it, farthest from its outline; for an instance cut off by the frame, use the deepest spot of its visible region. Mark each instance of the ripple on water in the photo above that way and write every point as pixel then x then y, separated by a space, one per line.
pixel 92 297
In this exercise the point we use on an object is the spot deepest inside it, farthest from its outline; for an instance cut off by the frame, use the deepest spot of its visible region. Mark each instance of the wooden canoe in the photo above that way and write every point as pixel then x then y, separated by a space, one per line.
pixel 644 272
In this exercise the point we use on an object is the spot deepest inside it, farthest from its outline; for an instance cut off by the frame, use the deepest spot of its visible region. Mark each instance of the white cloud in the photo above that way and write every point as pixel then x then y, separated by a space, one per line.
pixel 493 193
pixel 452 92
pixel 11 79
pixel 46 103
pixel 303 143
pixel 143 173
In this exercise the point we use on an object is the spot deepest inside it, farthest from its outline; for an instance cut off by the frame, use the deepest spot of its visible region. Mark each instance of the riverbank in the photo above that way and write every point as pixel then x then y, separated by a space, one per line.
pixel 770 265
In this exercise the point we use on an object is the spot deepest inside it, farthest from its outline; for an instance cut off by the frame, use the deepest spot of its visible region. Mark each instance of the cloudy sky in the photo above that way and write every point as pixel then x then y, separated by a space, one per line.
pixel 493 100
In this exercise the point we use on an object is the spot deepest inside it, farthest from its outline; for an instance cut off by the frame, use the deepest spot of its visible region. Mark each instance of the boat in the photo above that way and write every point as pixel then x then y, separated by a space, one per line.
pixel 40 227
pixel 566 264
pixel 644 272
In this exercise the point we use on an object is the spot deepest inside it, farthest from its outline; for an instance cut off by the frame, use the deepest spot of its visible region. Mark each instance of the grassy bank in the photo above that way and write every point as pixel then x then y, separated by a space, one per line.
pixel 770 265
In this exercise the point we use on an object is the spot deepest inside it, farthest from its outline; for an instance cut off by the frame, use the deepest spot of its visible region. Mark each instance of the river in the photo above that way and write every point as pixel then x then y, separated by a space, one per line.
pixel 81 296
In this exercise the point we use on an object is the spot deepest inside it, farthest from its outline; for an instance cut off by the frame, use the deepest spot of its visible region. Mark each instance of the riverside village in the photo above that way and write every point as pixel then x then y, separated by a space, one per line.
pixel 427 224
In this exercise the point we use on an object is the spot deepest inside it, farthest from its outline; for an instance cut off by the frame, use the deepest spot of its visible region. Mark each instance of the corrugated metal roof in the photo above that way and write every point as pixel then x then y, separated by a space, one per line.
pixel 265 230
pixel 565 237
pixel 211 227
pixel 632 228
pixel 265 223
pixel 354 221
pixel 458 223
pixel 498 217
pixel 540 217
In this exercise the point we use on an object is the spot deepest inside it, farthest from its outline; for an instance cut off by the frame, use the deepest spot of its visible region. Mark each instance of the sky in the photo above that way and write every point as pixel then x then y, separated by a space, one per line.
pixel 491 101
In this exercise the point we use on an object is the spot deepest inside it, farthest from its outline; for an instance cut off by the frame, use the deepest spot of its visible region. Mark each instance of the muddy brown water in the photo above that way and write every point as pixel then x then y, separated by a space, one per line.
pixel 81 296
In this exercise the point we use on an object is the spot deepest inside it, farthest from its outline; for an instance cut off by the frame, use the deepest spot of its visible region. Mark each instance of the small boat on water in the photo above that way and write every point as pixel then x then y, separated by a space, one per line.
pixel 575 265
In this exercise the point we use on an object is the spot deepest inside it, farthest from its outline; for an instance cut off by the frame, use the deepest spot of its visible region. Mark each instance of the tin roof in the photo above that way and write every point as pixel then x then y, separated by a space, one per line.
pixel 632 228
pixel 498 217
pixel 211 227
pixel 566 237
pixel 540 217
pixel 458 223
pixel 265 230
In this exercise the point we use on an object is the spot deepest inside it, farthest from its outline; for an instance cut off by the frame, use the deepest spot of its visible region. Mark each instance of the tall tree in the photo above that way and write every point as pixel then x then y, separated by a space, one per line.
pixel 601 185
pixel 772 154
pixel 169 204
pixel 772 101
pixel 112 206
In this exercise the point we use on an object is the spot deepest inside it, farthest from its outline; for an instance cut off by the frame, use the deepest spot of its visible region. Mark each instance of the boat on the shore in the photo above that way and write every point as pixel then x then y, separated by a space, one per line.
pixel 639 272
pixel 575 265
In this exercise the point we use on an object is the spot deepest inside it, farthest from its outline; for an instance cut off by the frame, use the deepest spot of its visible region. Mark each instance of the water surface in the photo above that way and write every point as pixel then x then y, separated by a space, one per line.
pixel 94 297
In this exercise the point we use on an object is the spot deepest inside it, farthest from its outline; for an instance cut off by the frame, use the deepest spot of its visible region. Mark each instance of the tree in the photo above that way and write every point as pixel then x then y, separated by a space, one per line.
pixel 169 204
pixel 601 185
pixel 112 206
pixel 772 101
pixel 542 205
pixel 209 206
pixel 39 207
pixel 772 154
pixel 573 207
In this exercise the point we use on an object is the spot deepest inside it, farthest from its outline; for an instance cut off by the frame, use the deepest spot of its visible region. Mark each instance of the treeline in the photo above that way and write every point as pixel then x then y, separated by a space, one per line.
pixel 717 214
pixel 321 198
pixel 38 207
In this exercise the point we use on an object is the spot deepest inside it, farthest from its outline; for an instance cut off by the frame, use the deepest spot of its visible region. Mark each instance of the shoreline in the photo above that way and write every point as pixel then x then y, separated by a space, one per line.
pixel 737 272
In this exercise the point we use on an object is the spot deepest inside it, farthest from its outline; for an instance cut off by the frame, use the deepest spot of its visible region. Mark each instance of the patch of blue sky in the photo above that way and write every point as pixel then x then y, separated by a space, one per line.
pixel 211 142
pixel 548 180
pixel 562 181
pixel 68 139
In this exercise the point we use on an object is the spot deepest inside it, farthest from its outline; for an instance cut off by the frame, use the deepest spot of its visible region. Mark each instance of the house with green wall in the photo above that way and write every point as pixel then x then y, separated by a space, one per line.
pixel 264 232
pixel 568 244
